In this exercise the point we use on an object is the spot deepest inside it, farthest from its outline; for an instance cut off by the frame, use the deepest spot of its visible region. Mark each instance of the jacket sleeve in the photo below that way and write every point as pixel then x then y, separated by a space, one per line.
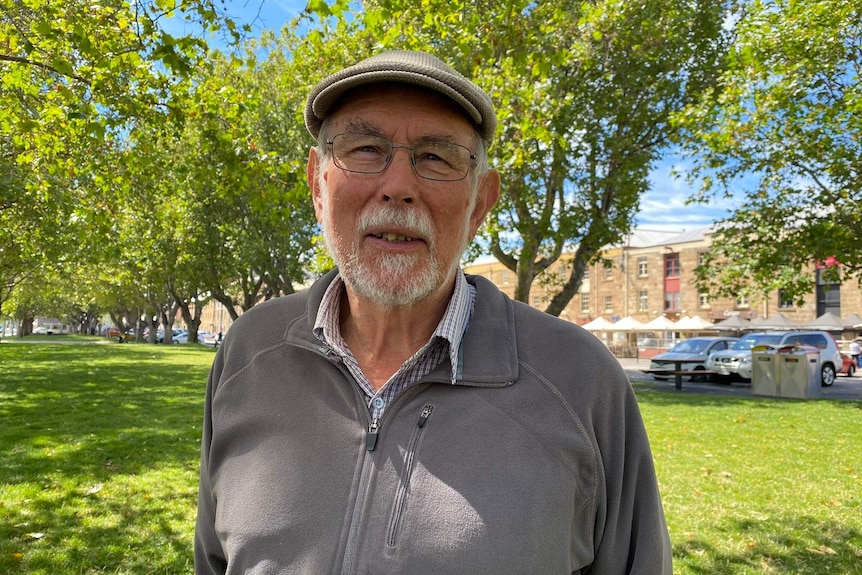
pixel 631 535
pixel 209 555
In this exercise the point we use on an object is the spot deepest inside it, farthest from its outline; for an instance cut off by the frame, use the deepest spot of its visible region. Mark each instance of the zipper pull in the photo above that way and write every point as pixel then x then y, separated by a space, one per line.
pixel 423 417
pixel 371 438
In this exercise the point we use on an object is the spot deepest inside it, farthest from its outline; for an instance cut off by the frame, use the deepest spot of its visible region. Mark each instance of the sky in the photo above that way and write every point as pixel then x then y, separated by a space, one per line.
pixel 663 207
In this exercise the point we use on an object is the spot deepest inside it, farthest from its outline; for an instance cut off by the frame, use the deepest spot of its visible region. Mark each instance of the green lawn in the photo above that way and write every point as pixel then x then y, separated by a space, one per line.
pixel 100 456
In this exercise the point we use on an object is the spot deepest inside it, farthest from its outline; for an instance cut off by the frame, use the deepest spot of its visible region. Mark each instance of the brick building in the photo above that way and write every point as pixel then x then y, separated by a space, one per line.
pixel 652 274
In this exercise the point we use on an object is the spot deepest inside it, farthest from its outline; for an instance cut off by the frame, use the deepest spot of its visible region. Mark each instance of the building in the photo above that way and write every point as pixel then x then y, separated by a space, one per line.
pixel 652 274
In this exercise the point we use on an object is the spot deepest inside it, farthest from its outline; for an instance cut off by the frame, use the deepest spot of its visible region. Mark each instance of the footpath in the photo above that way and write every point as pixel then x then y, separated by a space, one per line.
pixel 844 388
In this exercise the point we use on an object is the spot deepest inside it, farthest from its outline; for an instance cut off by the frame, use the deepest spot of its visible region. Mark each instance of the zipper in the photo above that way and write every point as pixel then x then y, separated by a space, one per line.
pixel 409 464
pixel 371 436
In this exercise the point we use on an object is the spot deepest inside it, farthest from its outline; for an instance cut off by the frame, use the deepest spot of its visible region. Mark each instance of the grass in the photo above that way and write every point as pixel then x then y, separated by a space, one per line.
pixel 100 444
pixel 100 458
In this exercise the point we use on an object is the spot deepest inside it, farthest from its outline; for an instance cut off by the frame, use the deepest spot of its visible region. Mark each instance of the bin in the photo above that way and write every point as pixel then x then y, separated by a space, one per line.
pixel 764 372
pixel 799 372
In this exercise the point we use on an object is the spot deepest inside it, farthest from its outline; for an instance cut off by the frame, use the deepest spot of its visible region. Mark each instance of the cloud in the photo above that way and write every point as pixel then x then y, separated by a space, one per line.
pixel 665 207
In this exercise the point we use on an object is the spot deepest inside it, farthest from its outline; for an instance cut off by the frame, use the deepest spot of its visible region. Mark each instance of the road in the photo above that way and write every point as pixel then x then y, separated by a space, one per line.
pixel 844 388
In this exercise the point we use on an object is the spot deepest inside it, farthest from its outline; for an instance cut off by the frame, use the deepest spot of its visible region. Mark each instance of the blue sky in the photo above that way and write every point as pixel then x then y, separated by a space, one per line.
pixel 662 208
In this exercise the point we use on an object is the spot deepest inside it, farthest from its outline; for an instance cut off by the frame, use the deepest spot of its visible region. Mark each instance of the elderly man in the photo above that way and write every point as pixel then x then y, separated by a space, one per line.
pixel 399 416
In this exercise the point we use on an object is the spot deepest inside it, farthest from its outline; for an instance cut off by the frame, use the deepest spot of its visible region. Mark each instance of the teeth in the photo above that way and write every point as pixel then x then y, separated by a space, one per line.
pixel 392 237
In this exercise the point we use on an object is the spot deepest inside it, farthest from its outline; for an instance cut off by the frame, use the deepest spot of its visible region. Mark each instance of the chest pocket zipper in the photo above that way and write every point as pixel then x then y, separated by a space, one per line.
pixel 404 487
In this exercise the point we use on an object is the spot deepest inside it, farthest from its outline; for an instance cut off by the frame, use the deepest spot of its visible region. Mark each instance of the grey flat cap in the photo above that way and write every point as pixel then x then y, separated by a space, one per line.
pixel 416 68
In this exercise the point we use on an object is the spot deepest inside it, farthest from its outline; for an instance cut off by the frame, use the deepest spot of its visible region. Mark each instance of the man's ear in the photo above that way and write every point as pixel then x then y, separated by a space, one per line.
pixel 311 169
pixel 486 196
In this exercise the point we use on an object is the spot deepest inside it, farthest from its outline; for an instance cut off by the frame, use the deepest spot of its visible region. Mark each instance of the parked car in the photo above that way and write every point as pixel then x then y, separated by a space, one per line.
pixel 693 354
pixel 180 336
pixel 736 361
pixel 848 366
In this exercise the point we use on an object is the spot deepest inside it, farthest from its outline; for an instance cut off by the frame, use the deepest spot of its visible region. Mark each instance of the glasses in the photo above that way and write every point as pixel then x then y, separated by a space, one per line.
pixel 367 154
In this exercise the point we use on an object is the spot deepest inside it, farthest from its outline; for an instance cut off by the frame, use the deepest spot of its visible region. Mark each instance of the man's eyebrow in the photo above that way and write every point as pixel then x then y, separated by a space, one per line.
pixel 359 126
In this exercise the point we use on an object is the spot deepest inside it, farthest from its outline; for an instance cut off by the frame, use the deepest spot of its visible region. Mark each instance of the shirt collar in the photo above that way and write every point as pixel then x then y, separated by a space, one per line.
pixel 451 328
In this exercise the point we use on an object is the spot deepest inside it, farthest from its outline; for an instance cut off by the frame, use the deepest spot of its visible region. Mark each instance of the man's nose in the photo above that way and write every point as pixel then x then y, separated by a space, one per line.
pixel 400 177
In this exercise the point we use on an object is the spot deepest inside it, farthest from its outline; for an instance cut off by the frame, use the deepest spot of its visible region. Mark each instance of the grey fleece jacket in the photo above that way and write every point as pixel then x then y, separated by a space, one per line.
pixel 535 462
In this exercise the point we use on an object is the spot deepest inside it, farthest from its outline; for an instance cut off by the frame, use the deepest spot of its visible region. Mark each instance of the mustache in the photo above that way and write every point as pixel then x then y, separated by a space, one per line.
pixel 416 222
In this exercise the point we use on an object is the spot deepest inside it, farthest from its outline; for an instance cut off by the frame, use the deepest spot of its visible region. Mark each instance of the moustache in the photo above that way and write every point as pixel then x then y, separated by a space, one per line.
pixel 417 223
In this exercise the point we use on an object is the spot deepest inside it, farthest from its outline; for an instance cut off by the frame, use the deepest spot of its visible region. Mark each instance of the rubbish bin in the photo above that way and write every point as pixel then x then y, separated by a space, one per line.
pixel 799 372
pixel 764 371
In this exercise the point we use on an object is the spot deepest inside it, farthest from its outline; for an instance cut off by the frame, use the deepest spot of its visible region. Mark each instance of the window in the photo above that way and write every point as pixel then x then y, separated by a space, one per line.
pixel 586 274
pixel 742 301
pixel 671 265
pixel 784 302
pixel 562 272
pixel 585 302
pixel 609 270
pixel 504 277
pixel 643 300
pixel 537 301
pixel 701 258
pixel 642 267
pixel 671 301
pixel 609 303
pixel 703 300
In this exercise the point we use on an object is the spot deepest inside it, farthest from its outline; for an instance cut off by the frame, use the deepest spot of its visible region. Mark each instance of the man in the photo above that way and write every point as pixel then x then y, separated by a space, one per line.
pixel 400 417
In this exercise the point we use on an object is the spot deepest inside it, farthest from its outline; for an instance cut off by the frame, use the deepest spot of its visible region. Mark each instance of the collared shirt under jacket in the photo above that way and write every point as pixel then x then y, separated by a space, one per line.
pixel 535 461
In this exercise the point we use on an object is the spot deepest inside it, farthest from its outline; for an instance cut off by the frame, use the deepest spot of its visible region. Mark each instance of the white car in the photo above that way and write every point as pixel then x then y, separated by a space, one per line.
pixel 736 361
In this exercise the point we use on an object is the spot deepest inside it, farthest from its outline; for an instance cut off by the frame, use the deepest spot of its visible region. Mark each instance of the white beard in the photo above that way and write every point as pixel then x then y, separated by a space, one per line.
pixel 390 280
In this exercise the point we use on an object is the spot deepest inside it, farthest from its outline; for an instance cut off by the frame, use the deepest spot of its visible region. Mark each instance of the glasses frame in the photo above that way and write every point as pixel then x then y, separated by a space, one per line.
pixel 393 147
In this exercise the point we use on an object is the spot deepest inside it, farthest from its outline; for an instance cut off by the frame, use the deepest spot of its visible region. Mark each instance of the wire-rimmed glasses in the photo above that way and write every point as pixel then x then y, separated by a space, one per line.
pixel 431 160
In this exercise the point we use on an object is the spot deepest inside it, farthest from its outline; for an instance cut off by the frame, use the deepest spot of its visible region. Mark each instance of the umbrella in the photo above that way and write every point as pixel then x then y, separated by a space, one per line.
pixel 733 323
pixel 599 324
pixel 628 323
pixel 661 323
pixel 852 320
pixel 828 321
pixel 778 321
pixel 694 323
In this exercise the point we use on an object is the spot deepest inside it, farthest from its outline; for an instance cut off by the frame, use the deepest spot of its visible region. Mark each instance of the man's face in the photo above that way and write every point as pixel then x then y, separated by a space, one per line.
pixel 398 238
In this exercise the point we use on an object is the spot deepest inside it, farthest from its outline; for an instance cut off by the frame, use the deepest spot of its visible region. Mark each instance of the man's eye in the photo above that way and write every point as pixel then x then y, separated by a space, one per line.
pixel 369 148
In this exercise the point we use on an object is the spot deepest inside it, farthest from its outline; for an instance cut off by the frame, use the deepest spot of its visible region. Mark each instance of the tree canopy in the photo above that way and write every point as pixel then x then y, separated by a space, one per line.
pixel 162 174
pixel 783 131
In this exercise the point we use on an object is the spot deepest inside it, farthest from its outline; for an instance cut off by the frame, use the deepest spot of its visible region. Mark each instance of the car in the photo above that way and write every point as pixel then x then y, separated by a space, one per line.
pixel 180 336
pixel 736 361
pixel 848 366
pixel 690 354
pixel 47 330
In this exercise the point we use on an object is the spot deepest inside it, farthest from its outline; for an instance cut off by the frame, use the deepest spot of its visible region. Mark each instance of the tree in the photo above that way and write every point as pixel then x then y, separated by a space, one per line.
pixel 584 92
pixel 784 127
pixel 75 79
pixel 245 181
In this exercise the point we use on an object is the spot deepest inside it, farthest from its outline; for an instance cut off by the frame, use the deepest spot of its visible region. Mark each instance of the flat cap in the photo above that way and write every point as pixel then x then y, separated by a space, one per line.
pixel 404 67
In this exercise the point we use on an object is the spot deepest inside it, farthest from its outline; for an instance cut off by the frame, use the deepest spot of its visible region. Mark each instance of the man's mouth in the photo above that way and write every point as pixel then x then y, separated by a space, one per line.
pixel 393 237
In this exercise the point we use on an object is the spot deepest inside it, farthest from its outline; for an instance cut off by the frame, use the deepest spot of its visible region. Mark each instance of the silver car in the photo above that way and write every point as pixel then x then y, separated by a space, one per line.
pixel 736 361
pixel 690 354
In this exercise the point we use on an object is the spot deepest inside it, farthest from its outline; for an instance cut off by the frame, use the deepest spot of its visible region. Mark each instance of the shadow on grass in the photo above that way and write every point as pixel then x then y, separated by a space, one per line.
pixel 776 544
pixel 100 447
pixel 648 393
pixel 77 408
